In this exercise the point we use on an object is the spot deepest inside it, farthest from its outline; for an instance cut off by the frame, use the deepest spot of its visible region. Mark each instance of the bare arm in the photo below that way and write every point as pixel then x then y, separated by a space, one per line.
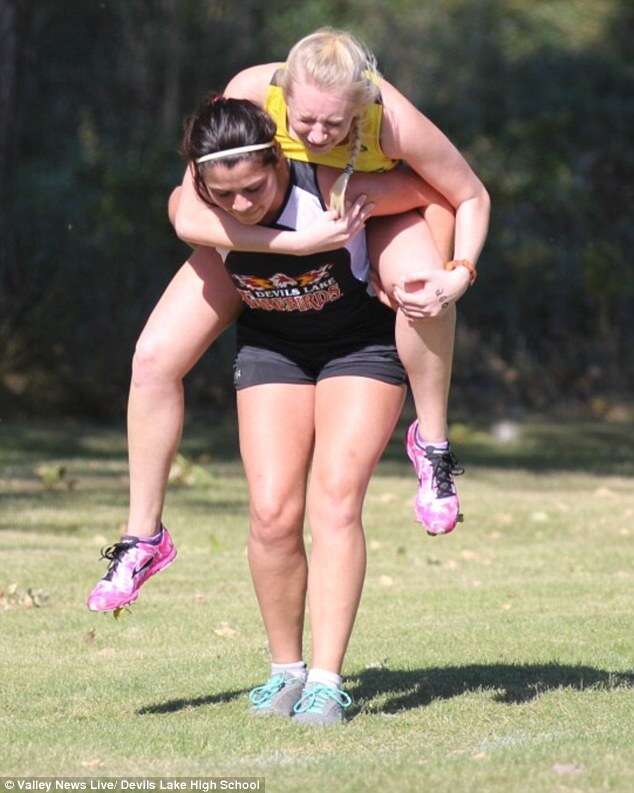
pixel 252 83
pixel 407 134
pixel 198 224
pixel 390 193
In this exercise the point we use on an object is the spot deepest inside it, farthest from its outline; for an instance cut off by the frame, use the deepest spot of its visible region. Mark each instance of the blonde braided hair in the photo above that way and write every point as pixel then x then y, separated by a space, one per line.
pixel 335 60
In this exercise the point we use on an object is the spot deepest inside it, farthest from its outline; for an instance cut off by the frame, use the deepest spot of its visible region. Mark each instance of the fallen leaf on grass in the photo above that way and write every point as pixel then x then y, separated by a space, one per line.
pixel 568 768
pixel 386 580
pixel 50 475
pixel 226 630
pixel 479 755
pixel 451 564
pixel 506 606
pixel 433 561
pixel 90 637
pixel 539 517
pixel 185 473
pixel 375 545
pixel 199 597
pixel 15 597
pixel 377 664
pixel 39 597
pixel 92 763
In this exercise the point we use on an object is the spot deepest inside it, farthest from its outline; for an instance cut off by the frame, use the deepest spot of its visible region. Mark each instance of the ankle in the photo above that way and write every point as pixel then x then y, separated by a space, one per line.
pixel 437 441
pixel 144 531
pixel 325 677
pixel 295 669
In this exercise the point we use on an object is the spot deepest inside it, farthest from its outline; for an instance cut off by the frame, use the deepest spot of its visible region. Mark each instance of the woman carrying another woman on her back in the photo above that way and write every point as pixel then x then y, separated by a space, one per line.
pixel 319 388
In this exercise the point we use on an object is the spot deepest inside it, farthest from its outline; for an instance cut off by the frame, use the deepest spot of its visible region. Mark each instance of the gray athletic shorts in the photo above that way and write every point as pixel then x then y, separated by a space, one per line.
pixel 260 365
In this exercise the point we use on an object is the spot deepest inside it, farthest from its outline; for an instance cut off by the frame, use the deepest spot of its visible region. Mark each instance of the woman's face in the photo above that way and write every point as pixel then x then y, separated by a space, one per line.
pixel 319 118
pixel 249 191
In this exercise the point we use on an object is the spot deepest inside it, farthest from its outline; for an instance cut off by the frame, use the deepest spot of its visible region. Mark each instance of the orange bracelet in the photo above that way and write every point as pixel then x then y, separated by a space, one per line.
pixel 473 273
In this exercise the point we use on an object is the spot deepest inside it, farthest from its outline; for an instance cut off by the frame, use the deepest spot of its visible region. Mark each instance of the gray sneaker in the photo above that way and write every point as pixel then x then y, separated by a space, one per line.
pixel 277 696
pixel 321 705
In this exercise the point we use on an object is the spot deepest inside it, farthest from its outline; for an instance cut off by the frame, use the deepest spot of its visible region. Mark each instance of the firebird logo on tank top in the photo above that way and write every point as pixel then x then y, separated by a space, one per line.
pixel 309 291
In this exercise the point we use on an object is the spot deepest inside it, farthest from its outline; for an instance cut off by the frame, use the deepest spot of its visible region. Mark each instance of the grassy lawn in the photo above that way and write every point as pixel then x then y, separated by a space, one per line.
pixel 497 660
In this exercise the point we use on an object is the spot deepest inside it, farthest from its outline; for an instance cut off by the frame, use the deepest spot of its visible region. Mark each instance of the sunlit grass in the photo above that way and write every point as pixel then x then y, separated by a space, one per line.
pixel 498 659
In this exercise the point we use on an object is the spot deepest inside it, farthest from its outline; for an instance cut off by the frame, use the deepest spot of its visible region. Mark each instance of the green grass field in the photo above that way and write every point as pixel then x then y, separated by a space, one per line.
pixel 497 660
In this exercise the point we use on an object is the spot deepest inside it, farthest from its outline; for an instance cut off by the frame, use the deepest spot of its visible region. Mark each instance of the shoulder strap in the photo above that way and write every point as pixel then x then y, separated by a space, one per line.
pixel 304 175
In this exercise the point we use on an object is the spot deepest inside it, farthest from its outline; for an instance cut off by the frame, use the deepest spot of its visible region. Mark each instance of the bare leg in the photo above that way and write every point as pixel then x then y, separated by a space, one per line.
pixel 354 418
pixel 276 440
pixel 397 246
pixel 199 303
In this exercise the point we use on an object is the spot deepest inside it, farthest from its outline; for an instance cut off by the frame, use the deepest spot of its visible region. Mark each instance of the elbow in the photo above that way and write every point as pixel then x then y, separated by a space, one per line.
pixel 479 201
pixel 183 229
pixel 172 205
pixel 484 199
pixel 487 198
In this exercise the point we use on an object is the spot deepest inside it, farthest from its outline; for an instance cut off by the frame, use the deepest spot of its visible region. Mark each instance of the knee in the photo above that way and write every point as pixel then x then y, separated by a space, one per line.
pixel 276 522
pixel 152 364
pixel 335 505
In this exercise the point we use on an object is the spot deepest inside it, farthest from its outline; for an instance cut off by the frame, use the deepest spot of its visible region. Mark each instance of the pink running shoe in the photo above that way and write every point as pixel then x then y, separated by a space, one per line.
pixel 436 506
pixel 132 561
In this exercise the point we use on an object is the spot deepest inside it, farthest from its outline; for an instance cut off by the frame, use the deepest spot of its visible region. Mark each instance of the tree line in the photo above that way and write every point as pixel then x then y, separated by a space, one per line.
pixel 537 96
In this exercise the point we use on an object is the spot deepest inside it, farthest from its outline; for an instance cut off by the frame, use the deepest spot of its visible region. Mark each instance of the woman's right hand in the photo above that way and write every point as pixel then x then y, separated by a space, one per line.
pixel 332 231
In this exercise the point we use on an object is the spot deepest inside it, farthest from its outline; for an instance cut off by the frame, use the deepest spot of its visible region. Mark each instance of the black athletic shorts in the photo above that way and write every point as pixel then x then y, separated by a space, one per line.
pixel 260 365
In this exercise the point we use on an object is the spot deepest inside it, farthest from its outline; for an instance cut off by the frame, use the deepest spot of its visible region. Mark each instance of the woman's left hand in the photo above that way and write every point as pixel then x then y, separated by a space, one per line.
pixel 427 293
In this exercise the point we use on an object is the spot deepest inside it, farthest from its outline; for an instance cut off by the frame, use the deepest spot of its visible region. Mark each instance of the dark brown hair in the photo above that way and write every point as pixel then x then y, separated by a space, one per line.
pixel 220 124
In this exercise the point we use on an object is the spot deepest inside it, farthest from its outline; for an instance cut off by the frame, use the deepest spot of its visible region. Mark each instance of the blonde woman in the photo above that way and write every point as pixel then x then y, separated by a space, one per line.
pixel 330 107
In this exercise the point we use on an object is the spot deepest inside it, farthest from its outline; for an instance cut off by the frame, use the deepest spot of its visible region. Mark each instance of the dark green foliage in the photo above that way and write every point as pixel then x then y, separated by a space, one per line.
pixel 537 96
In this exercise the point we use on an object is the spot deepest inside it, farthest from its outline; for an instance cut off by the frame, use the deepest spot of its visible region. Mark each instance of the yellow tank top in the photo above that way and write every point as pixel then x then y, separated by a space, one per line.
pixel 370 158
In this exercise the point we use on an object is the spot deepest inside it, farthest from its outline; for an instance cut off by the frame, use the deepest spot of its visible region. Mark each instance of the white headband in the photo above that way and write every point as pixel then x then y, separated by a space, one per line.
pixel 217 155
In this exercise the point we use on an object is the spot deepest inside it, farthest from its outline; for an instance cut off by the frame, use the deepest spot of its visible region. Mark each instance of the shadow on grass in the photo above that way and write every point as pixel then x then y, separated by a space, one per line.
pixel 66 438
pixel 407 689
pixel 512 684
pixel 592 447
pixel 174 705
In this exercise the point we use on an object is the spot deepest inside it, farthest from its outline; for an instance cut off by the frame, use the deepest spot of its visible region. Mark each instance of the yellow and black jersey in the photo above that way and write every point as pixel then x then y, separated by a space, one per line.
pixel 371 158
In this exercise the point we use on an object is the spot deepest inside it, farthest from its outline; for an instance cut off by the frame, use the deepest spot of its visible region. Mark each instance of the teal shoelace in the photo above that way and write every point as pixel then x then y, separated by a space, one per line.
pixel 262 695
pixel 315 699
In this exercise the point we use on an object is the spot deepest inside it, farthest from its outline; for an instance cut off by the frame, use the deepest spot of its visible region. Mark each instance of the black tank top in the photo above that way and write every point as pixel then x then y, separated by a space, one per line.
pixel 316 304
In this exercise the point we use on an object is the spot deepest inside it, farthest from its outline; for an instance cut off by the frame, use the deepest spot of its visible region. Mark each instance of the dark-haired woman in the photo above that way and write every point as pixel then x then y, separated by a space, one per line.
pixel 319 387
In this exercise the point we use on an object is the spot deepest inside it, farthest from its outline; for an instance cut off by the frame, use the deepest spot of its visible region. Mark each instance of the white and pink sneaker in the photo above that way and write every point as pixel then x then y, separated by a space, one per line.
pixel 436 505
pixel 132 561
